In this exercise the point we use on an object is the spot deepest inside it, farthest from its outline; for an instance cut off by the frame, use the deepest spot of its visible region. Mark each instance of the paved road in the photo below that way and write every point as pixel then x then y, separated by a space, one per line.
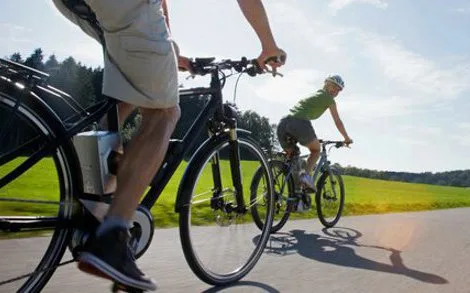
pixel 405 252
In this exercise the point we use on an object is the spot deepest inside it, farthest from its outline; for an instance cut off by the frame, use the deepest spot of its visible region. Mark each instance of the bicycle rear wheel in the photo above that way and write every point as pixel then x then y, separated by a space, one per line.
pixel 283 185
pixel 330 198
pixel 35 203
pixel 221 244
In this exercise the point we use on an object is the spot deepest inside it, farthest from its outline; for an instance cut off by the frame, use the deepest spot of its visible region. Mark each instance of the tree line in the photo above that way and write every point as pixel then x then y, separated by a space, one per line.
pixel 84 84
pixel 458 178
pixel 80 81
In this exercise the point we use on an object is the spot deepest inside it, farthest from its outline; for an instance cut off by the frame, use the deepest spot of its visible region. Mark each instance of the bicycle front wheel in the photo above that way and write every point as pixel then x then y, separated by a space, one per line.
pixel 283 185
pixel 219 239
pixel 330 198
pixel 35 203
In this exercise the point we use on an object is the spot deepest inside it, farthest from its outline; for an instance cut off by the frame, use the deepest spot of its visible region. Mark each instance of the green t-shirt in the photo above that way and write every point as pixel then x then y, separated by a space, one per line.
pixel 312 107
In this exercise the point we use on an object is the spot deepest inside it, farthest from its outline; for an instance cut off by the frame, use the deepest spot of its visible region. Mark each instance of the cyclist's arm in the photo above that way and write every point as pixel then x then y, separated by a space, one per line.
pixel 256 15
pixel 183 62
pixel 339 124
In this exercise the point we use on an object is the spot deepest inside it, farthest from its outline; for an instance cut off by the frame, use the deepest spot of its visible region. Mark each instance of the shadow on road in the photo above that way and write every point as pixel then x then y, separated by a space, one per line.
pixel 247 285
pixel 336 246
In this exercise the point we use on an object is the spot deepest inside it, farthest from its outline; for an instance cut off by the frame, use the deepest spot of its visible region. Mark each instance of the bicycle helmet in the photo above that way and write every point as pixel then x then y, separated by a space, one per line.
pixel 336 79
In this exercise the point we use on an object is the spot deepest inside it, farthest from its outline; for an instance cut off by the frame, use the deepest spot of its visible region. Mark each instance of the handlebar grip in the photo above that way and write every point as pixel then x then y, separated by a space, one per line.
pixel 255 69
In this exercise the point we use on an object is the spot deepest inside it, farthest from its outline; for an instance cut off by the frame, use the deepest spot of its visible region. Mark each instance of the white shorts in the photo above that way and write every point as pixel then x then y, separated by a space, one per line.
pixel 141 68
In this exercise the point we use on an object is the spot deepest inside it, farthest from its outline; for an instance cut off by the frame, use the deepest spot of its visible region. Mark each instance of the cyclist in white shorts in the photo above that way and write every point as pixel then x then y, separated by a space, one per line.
pixel 140 69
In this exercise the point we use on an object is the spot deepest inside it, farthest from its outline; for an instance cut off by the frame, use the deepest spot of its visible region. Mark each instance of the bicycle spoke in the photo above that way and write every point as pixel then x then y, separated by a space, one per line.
pixel 211 198
pixel 36 200
pixel 32 201
pixel 5 158
pixel 254 203
pixel 283 186
pixel 219 223
pixel 35 272
pixel 331 199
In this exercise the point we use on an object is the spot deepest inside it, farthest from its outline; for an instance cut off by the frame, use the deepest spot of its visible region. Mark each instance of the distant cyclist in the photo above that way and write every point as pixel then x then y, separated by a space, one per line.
pixel 298 126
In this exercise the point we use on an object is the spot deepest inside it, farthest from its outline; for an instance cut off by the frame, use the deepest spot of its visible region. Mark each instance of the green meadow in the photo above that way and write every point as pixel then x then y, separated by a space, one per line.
pixel 363 196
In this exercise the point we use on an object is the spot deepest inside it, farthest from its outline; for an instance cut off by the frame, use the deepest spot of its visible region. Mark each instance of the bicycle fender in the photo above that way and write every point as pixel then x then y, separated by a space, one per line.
pixel 35 105
pixel 33 102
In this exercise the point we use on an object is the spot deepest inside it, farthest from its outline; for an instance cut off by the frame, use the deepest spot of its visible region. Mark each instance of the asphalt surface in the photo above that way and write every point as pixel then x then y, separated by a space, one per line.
pixel 402 252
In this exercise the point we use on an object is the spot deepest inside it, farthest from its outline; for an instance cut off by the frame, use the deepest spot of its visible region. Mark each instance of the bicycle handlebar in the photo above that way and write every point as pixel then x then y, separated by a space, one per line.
pixel 336 143
pixel 203 66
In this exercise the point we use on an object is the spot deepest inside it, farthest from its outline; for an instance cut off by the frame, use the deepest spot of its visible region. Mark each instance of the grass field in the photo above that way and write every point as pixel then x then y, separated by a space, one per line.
pixel 363 196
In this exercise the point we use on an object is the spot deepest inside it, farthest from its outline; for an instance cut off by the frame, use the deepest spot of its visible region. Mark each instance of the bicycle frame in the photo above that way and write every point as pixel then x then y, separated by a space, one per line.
pixel 322 165
pixel 177 149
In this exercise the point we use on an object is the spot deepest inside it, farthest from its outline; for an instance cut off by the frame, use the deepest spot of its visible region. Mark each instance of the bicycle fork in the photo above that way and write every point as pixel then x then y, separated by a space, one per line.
pixel 236 168
pixel 331 178
pixel 217 200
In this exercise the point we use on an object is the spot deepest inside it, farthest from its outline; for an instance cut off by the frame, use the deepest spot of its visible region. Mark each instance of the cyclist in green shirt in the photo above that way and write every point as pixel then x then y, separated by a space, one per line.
pixel 298 126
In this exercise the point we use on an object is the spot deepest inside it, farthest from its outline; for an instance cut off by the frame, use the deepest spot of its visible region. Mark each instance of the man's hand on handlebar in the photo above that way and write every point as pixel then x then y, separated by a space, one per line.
pixel 348 141
pixel 184 63
pixel 203 66
pixel 273 58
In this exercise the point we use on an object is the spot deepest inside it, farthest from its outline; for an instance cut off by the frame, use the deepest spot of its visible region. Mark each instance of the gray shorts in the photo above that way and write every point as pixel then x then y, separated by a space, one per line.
pixel 142 70
pixel 299 129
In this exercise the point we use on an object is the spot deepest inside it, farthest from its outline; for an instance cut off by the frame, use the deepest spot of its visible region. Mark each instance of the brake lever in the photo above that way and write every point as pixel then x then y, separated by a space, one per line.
pixel 274 73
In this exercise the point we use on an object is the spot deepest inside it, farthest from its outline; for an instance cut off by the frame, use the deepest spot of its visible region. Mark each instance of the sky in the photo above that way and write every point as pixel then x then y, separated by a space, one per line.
pixel 406 65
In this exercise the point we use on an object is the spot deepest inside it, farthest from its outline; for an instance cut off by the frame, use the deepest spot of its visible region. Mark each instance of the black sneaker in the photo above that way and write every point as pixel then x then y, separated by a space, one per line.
pixel 109 256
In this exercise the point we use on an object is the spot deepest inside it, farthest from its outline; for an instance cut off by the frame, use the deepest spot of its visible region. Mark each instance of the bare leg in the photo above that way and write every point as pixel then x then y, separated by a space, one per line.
pixel 124 110
pixel 289 152
pixel 314 148
pixel 145 153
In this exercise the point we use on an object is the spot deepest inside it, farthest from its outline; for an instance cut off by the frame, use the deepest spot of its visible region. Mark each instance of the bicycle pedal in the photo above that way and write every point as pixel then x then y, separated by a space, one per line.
pixel 118 287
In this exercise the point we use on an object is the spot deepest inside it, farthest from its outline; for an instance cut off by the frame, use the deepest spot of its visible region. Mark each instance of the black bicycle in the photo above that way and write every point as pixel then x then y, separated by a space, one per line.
pixel 292 196
pixel 43 192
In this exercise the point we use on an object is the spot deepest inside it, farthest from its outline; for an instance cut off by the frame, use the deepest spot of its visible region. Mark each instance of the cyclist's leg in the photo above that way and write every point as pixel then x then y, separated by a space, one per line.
pixel 306 175
pixel 108 253
pixel 314 148
pixel 305 134
pixel 282 135
pixel 124 110
pixel 140 69
pixel 145 153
